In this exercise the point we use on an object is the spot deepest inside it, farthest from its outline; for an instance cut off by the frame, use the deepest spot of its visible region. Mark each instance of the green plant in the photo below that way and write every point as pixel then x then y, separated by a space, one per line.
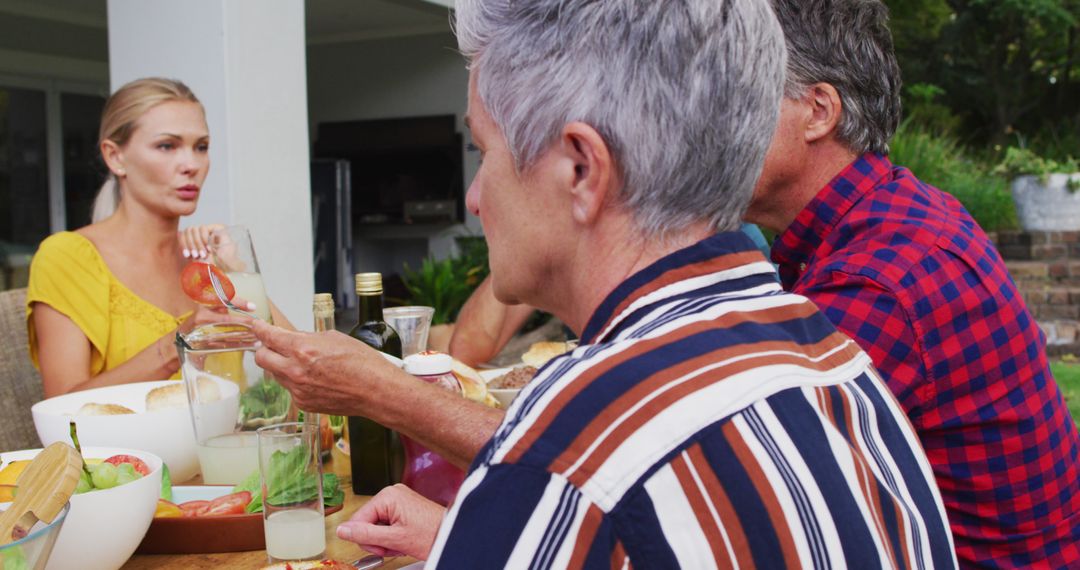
pixel 1021 161
pixel 1068 379
pixel 922 106
pixel 940 160
pixel 444 285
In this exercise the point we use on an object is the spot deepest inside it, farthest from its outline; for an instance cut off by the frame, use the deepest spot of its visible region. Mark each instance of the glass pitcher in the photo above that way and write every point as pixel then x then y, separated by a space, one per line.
pixel 230 398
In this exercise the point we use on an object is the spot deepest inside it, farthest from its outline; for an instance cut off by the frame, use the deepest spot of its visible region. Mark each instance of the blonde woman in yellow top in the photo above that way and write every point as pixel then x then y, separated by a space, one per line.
pixel 104 302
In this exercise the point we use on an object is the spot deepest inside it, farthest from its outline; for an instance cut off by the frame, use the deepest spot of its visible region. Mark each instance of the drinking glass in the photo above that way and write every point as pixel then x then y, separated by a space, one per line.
pixel 290 469
pixel 412 325
pixel 232 250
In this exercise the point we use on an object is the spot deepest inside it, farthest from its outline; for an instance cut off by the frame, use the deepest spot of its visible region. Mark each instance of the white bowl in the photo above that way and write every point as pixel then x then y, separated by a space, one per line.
pixel 165 433
pixel 505 396
pixel 104 527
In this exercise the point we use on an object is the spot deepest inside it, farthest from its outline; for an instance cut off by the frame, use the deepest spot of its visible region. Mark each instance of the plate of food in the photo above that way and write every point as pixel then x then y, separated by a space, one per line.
pixel 217 518
pixel 505 383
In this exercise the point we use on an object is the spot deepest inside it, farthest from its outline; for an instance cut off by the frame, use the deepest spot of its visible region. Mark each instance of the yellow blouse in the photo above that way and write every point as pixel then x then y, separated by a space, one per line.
pixel 68 274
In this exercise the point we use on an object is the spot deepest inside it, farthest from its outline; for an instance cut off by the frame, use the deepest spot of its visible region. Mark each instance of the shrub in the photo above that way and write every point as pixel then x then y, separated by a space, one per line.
pixel 444 285
pixel 940 160
pixel 1021 161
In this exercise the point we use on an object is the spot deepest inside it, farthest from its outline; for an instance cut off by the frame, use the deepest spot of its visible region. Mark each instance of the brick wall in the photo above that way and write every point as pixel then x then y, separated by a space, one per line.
pixel 1046 268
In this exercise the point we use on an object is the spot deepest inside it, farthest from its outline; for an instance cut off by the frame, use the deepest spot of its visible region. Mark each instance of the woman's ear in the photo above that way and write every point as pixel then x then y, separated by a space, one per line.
pixel 825 108
pixel 114 157
pixel 594 173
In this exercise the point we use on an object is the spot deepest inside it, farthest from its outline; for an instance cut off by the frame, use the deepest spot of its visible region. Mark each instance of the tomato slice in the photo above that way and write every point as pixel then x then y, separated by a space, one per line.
pixel 195 281
pixel 233 504
pixel 194 508
pixel 138 464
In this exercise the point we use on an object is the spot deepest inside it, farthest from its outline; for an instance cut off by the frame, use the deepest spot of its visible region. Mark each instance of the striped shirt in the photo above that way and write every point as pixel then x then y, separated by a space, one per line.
pixel 708 419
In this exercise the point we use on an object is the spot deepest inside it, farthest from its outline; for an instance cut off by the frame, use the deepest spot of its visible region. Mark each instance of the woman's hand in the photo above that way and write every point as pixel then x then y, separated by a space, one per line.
pixel 195 241
pixel 394 522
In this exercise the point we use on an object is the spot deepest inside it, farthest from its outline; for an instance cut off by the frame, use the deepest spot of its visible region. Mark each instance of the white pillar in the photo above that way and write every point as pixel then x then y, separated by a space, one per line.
pixel 245 60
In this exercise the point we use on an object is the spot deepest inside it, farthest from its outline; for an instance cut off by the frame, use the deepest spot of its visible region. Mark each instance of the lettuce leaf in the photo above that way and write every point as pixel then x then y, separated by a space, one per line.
pixel 166 483
pixel 290 482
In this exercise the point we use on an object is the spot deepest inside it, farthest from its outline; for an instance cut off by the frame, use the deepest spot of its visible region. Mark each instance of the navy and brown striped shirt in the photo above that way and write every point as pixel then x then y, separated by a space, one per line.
pixel 708 419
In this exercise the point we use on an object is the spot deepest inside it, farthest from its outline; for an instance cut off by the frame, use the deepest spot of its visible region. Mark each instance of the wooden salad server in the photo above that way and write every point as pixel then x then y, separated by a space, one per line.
pixel 43 489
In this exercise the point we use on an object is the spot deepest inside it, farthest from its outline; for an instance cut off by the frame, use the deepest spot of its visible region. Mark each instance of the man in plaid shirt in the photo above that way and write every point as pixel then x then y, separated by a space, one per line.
pixel 903 269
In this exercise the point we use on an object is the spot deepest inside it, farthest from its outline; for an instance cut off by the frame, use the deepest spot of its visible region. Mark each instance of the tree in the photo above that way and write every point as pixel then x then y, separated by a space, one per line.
pixel 1005 65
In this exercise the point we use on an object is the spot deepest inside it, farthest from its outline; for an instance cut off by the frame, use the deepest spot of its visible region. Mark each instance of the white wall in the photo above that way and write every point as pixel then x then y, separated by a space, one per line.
pixel 387 78
pixel 244 59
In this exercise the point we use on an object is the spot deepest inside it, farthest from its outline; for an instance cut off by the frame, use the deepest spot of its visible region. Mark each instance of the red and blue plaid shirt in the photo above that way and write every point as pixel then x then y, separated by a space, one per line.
pixel 903 269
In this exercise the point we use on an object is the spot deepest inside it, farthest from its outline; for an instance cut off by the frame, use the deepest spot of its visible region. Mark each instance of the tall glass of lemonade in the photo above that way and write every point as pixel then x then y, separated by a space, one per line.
pixel 232 250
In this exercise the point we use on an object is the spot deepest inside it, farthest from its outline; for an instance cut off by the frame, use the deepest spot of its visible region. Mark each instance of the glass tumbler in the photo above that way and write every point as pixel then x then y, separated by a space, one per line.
pixel 232 250
pixel 290 470
pixel 412 324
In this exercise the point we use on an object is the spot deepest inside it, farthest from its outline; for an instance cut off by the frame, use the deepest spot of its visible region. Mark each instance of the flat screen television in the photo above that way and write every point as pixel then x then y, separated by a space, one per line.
pixel 404 171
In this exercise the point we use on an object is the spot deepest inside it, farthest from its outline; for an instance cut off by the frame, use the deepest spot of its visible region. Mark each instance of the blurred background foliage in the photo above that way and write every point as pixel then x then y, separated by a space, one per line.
pixel 981 77
pixel 446 284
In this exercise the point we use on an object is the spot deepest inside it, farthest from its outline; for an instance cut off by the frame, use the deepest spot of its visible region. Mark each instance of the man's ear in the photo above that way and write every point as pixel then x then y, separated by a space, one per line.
pixel 114 157
pixel 825 110
pixel 594 170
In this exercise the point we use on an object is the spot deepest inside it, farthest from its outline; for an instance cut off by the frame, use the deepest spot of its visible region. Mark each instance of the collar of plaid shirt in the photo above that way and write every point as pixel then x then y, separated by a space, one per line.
pixel 794 248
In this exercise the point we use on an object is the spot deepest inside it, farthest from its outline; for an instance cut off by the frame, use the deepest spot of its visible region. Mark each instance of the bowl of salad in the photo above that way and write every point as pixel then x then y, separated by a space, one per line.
pixel 111 509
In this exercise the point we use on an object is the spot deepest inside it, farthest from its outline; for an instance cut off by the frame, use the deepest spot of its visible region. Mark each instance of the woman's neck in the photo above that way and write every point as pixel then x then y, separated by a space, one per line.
pixel 136 225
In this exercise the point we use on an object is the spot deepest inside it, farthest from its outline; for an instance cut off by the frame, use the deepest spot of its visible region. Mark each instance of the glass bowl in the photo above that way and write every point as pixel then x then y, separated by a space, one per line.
pixel 32 551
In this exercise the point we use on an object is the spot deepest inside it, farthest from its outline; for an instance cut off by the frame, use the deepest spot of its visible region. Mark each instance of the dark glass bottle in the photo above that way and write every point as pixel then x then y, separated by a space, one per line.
pixel 376 454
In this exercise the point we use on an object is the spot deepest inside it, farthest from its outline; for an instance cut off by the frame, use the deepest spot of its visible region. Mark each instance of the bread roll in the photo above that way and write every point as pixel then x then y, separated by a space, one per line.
pixel 541 352
pixel 95 409
pixel 175 396
pixel 473 385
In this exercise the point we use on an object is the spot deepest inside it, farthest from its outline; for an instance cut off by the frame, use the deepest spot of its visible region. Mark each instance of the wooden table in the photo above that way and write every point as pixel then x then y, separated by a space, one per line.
pixel 336 548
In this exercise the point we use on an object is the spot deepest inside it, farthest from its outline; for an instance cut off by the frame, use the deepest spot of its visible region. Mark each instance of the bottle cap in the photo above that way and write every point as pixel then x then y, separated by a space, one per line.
pixel 428 363
pixel 368 283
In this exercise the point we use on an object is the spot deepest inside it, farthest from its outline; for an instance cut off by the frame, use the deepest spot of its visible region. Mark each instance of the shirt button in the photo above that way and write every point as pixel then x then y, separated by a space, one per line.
pixel 802 267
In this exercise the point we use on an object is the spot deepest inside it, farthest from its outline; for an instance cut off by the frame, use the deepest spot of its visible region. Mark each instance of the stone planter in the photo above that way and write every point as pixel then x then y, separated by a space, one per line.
pixel 1047 207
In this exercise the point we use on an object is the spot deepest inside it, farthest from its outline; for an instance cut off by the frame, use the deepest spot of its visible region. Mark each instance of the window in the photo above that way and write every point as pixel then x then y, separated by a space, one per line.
pixel 49 166
pixel 83 168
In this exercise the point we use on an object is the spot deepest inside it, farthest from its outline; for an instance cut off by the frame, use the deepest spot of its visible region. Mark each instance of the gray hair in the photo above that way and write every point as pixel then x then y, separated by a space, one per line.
pixel 685 93
pixel 847 44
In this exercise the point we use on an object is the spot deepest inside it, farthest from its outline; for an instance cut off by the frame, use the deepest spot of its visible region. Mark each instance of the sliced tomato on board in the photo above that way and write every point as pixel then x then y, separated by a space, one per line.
pixel 233 504
pixel 195 281
pixel 194 508
pixel 138 464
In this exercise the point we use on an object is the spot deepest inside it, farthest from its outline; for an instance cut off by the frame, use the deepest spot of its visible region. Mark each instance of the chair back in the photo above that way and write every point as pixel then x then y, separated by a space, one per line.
pixel 20 383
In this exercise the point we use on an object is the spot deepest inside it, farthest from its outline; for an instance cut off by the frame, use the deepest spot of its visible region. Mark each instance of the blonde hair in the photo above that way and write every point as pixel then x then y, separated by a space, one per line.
pixel 123 109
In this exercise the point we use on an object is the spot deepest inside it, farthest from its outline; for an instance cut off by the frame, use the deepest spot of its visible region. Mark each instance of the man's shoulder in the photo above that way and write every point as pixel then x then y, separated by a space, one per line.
pixel 605 422
pixel 900 230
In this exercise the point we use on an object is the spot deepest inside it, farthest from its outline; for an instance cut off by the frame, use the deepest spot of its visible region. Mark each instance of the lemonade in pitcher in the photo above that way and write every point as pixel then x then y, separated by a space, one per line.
pixel 230 398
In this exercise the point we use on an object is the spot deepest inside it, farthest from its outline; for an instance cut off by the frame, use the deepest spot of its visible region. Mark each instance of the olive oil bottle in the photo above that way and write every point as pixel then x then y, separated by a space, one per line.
pixel 376 454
